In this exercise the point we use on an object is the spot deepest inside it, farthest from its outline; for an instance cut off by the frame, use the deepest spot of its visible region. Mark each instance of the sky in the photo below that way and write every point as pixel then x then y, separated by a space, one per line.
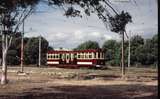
pixel 61 31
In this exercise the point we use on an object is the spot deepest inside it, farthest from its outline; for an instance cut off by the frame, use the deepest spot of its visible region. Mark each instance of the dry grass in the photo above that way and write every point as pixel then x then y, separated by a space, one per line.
pixel 139 82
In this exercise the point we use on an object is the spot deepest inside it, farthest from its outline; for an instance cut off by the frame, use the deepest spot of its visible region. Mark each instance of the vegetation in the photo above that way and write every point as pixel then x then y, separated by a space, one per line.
pixel 143 51
pixel 31 46
pixel 88 45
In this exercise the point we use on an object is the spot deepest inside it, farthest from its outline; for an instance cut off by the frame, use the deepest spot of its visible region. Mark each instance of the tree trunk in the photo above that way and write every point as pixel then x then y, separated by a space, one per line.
pixel 123 67
pixel 4 67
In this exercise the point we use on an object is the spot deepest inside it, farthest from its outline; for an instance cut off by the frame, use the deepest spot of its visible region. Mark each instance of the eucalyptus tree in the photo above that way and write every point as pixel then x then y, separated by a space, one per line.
pixel 12 15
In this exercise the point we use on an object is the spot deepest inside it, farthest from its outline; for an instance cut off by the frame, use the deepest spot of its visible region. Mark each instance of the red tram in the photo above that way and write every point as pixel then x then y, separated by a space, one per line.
pixel 81 58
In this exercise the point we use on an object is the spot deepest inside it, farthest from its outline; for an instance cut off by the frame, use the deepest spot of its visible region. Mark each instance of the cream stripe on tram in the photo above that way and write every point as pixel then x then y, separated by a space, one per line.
pixel 55 62
pixel 84 63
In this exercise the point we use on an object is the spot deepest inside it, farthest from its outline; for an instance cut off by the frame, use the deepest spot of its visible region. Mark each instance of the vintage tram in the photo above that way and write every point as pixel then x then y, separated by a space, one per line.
pixel 81 58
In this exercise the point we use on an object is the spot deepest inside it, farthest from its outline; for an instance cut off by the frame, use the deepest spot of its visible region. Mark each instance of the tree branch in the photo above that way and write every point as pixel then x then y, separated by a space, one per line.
pixel 111 7
pixel 21 21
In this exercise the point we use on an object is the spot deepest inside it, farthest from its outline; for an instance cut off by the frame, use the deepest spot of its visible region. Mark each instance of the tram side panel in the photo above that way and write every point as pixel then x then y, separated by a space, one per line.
pixel 79 59
pixel 91 59
pixel 53 59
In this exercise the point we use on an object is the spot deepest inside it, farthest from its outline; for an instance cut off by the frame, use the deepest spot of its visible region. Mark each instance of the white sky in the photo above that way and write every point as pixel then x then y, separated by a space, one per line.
pixel 69 32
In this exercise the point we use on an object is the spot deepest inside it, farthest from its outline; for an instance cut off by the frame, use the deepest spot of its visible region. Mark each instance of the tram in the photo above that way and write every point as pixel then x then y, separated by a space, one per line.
pixel 80 58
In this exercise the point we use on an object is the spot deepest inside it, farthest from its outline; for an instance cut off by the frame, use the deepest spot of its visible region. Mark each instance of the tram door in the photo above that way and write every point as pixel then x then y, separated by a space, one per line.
pixel 67 58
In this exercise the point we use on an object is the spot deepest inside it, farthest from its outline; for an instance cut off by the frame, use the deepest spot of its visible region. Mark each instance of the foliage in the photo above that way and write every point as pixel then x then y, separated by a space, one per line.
pixel 88 45
pixel 12 58
pixel 14 12
pixel 31 50
pixel 102 8
pixel 119 21
pixel 143 51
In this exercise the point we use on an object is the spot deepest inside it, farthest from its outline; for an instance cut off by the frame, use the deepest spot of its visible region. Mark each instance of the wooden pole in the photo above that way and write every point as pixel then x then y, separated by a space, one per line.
pixel 123 67
pixel 129 49
pixel 39 63
pixel 22 47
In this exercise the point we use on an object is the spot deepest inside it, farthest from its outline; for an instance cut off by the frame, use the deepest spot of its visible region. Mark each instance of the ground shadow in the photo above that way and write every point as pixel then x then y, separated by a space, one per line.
pixel 88 92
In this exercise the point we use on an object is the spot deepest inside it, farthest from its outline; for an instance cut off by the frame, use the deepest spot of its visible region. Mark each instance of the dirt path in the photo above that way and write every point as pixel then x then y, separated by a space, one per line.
pixel 49 83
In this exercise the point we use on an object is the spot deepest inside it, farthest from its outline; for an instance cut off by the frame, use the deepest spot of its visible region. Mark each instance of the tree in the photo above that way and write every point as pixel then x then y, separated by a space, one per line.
pixel 88 45
pixel 112 48
pixel 31 50
pixel 50 48
pixel 11 57
pixel 136 42
pixel 155 48
pixel 12 14
pixel 118 24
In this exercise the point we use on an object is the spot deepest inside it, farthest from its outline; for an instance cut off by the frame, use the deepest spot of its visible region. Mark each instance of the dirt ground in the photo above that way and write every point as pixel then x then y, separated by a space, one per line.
pixel 59 83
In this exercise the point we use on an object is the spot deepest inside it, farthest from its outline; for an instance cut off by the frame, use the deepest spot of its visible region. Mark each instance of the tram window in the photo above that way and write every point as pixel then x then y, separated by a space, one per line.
pixel 50 56
pixel 98 55
pixel 67 57
pixel 78 56
pixel 82 55
pixel 94 55
pixel 64 56
pixel 60 56
pixel 74 56
pixel 90 56
pixel 101 55
pixel 56 55
pixel 53 56
pixel 86 56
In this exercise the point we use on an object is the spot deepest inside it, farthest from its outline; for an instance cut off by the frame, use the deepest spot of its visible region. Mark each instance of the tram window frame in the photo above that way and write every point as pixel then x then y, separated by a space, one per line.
pixel 82 55
pixel 56 56
pixel 95 55
pixel 99 56
pixel 74 56
pixel 60 56
pixel 86 55
pixel 90 56
pixel 48 56
pixel 64 56
pixel 78 56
